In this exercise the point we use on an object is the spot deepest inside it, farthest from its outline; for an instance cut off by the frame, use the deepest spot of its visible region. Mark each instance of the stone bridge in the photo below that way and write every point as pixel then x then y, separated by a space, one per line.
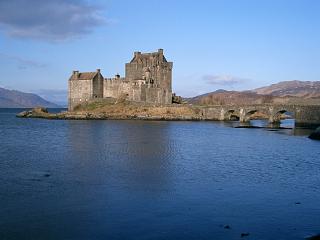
pixel 304 115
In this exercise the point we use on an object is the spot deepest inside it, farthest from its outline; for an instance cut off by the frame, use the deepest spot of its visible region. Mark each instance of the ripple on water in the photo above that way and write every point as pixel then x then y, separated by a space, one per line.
pixel 167 180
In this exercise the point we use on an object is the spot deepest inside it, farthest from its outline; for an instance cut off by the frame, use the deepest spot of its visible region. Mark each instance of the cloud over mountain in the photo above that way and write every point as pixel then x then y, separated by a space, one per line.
pixel 223 80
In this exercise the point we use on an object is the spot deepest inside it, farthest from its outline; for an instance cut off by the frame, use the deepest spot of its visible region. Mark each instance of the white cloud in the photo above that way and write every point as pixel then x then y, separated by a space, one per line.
pixel 223 80
pixel 22 63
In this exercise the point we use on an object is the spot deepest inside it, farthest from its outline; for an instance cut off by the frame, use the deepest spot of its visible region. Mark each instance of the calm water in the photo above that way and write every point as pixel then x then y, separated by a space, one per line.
pixel 155 180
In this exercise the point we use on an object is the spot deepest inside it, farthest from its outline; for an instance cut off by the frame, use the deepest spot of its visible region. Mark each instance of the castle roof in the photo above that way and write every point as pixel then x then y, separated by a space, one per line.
pixel 83 75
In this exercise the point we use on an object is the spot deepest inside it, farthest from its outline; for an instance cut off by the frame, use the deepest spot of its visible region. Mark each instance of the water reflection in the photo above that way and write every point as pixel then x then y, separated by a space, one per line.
pixel 286 126
pixel 137 149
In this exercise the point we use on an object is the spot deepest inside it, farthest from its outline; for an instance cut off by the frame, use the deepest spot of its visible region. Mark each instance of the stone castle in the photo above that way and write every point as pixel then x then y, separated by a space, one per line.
pixel 148 78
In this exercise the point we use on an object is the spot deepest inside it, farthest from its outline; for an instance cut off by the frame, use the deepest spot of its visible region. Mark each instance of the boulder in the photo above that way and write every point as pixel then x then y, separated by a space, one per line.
pixel 176 99
pixel 35 112
pixel 40 110
pixel 315 237
pixel 315 135
pixel 24 114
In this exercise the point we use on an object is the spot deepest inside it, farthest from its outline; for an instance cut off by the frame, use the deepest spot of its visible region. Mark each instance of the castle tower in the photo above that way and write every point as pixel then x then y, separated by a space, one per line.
pixel 84 86
pixel 157 69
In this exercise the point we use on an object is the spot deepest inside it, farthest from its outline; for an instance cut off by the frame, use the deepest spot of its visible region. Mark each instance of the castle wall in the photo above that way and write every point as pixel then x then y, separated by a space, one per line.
pixel 97 91
pixel 114 87
pixel 111 88
pixel 161 74
pixel 164 76
pixel 135 93
pixel 79 91
pixel 158 95
pixel 152 95
pixel 133 71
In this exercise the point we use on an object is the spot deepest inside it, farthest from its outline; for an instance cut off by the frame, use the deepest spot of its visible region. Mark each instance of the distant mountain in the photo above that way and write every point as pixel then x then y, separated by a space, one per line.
pixel 294 92
pixel 303 89
pixel 57 96
pixel 17 99
pixel 210 93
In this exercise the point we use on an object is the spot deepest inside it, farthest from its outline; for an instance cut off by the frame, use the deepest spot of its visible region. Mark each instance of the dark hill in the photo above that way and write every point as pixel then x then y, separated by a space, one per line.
pixel 17 99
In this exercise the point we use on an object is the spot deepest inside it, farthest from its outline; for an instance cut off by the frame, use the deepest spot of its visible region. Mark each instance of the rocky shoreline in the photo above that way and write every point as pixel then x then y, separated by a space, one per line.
pixel 41 112
pixel 315 135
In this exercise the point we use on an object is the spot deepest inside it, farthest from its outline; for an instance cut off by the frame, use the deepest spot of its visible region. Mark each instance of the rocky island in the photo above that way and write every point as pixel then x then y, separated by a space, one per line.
pixel 112 109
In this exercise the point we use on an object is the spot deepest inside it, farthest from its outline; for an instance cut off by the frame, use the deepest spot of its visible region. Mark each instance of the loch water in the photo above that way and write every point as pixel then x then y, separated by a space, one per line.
pixel 63 179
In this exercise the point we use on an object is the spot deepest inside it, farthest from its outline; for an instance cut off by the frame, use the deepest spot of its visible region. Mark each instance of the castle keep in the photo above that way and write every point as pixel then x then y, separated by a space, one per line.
pixel 148 78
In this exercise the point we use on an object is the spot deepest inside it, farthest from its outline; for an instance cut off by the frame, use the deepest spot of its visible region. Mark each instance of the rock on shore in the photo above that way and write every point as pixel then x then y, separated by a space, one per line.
pixel 35 112
pixel 315 135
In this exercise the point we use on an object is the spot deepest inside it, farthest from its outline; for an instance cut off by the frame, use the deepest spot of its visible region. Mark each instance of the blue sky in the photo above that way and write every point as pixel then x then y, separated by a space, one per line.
pixel 234 45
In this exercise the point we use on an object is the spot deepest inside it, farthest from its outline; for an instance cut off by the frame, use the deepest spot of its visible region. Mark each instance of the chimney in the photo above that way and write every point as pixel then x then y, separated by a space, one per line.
pixel 160 50
pixel 75 74
pixel 136 54
pixel 98 70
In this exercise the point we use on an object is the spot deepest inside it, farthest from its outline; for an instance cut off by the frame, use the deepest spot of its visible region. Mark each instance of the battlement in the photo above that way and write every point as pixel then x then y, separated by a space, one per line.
pixel 144 57
pixel 118 79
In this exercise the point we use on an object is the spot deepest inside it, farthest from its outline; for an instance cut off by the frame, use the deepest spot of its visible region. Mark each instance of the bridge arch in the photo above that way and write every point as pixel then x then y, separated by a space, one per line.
pixel 256 113
pixel 278 114
pixel 231 115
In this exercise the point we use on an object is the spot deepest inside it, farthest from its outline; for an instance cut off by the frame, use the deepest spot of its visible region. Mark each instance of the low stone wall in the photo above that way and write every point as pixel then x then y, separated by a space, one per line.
pixel 306 115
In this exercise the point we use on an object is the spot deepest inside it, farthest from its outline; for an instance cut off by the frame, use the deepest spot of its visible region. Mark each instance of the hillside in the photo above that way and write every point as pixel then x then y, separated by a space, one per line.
pixel 292 92
pixel 303 89
pixel 17 99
